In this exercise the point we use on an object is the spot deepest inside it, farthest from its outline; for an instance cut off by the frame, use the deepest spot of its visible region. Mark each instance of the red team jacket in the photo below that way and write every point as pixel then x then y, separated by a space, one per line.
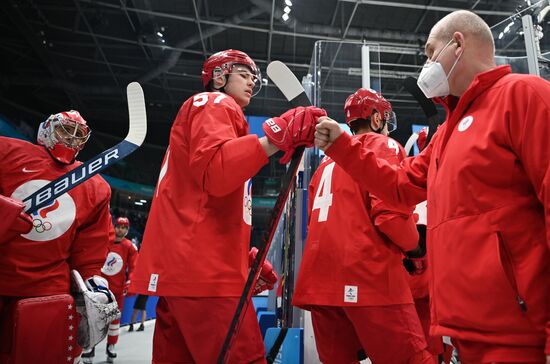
pixel 198 231
pixel 348 260
pixel 487 179
pixel 71 233
pixel 121 256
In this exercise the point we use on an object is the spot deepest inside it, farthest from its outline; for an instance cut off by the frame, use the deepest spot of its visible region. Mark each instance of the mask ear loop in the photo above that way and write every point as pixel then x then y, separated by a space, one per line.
pixel 454 64
pixel 441 52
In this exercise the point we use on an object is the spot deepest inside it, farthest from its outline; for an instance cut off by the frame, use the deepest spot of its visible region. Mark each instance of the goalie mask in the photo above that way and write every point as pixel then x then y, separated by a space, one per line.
pixel 364 103
pixel 64 135
pixel 224 63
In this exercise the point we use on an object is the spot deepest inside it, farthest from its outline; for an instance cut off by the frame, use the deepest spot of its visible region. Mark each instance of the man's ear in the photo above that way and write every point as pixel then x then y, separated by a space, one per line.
pixel 219 82
pixel 460 42
pixel 375 121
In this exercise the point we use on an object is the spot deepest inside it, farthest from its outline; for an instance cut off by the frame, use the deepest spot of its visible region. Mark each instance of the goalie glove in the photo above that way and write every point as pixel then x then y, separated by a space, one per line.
pixel 267 278
pixel 97 307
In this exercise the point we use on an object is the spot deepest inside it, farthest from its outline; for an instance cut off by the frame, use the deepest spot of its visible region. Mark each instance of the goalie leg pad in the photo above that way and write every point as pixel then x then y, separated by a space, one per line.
pixel 39 330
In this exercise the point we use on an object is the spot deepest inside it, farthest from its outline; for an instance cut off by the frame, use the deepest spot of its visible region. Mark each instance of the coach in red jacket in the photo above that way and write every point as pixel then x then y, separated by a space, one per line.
pixel 486 178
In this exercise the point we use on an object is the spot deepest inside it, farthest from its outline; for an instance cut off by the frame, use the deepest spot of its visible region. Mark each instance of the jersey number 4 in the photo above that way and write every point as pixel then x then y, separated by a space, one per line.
pixel 323 196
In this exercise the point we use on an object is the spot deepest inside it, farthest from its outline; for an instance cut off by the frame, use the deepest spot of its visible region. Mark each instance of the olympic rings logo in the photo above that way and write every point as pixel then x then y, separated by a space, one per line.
pixel 40 226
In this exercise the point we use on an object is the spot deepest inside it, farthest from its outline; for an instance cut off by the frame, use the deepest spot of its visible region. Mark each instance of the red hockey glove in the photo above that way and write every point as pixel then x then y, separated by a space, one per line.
pixel 422 139
pixel 293 128
pixel 415 261
pixel 13 220
pixel 267 278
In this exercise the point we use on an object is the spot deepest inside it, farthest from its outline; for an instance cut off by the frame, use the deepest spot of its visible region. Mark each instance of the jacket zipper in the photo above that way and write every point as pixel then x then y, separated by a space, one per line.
pixel 509 271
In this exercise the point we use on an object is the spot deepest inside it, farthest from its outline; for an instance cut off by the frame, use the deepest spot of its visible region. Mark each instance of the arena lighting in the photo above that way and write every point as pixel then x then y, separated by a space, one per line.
pixel 138 203
pixel 143 201
pixel 285 16
pixel 287 10
pixel 288 2
pixel 160 34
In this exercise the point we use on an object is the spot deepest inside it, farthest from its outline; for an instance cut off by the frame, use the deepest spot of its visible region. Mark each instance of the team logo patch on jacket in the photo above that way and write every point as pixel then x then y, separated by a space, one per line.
pixel 465 123
pixel 51 221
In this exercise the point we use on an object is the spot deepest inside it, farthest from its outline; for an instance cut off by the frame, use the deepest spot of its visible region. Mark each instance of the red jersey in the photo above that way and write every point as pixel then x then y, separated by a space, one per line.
pixel 352 255
pixel 121 257
pixel 486 174
pixel 198 231
pixel 71 233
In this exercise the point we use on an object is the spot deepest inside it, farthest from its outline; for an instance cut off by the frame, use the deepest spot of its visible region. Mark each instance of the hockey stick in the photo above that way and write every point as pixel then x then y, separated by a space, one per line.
pixel 426 104
pixel 294 92
pixel 410 143
pixel 71 179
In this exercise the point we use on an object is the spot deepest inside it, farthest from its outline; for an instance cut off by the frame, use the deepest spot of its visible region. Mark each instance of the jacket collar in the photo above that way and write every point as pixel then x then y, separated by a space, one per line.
pixel 456 107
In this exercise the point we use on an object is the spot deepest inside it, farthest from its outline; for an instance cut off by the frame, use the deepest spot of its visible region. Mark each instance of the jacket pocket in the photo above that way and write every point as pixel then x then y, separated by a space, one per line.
pixel 473 289
pixel 505 258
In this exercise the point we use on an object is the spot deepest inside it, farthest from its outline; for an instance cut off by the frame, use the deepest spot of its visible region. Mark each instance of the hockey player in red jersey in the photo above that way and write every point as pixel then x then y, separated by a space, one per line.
pixel 485 175
pixel 70 233
pixel 117 269
pixel 194 253
pixel 418 279
pixel 351 277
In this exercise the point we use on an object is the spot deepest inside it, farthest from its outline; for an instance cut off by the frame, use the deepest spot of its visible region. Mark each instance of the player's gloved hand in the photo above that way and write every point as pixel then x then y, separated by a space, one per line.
pixel 292 129
pixel 415 261
pixel 126 286
pixel 13 220
pixel 422 139
pixel 267 278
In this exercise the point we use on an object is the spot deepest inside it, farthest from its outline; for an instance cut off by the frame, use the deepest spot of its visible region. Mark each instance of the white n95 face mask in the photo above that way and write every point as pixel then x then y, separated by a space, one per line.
pixel 433 81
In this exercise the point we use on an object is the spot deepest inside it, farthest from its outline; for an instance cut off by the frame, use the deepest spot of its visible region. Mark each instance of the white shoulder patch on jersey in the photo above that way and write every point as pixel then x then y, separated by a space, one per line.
pixel 49 222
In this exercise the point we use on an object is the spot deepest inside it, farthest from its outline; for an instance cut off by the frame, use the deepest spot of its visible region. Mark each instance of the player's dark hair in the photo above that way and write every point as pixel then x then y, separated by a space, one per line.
pixel 358 124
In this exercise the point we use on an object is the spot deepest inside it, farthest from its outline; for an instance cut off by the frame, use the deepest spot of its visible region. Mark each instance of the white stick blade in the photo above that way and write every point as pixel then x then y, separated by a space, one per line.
pixel 410 143
pixel 285 79
pixel 138 116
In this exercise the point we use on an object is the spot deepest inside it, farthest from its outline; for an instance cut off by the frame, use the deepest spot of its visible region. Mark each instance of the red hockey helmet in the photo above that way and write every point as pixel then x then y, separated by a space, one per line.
pixel 222 63
pixel 362 103
pixel 64 135
pixel 122 221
